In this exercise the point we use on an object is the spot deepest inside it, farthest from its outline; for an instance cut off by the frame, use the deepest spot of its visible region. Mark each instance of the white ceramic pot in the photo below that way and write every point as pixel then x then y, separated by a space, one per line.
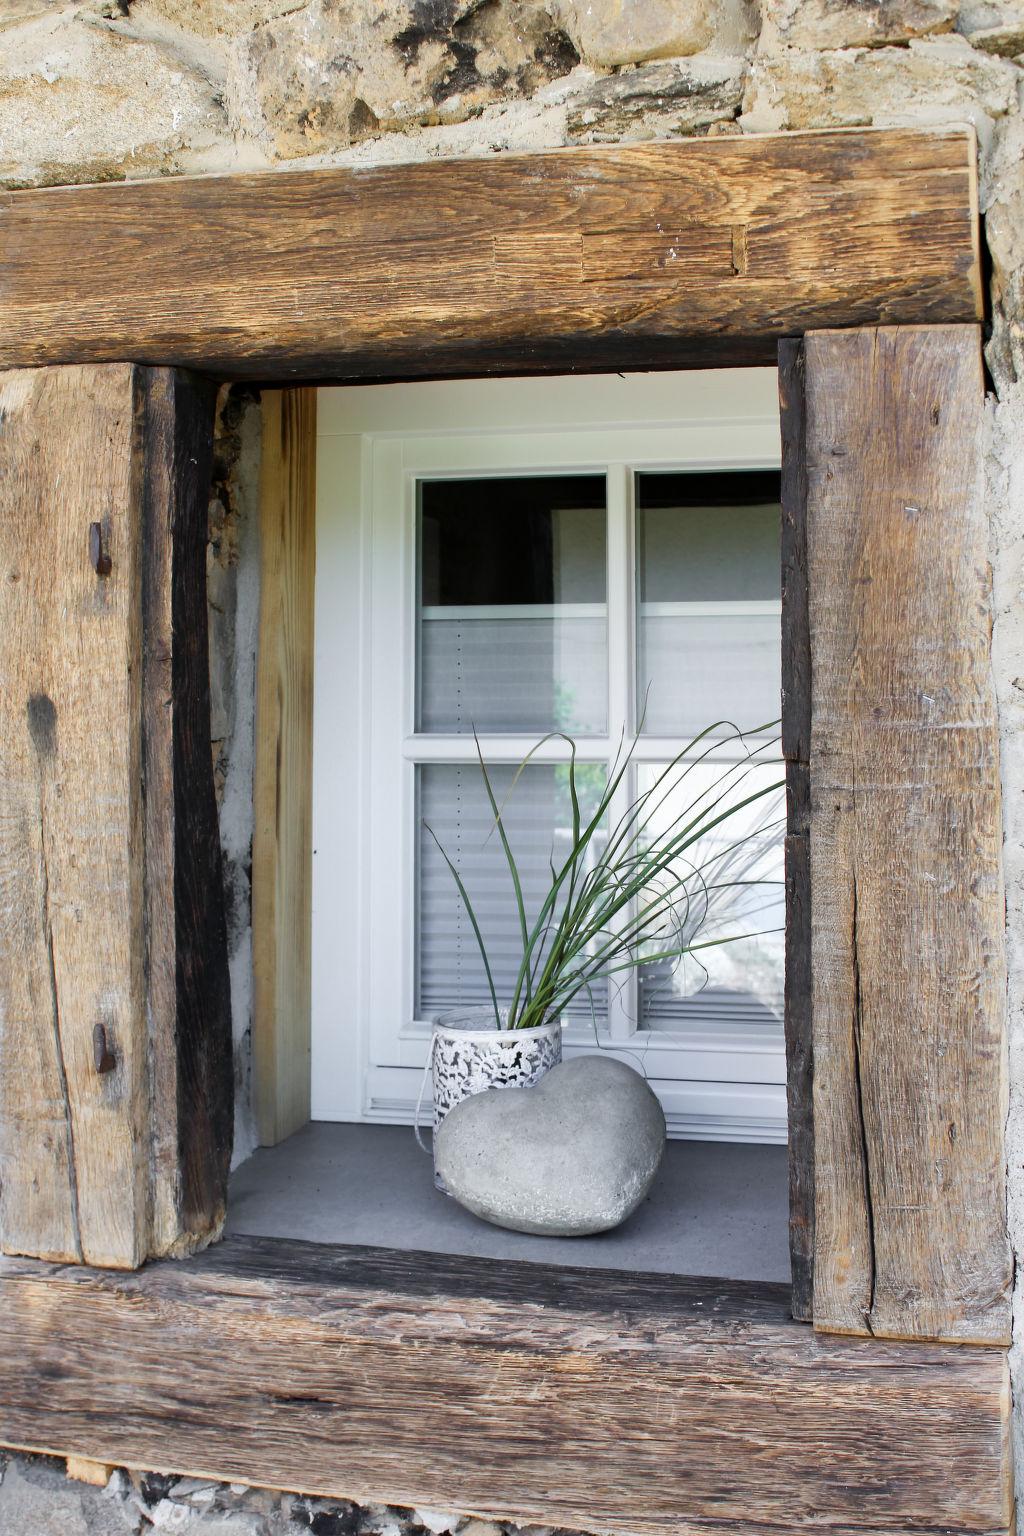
pixel 470 1054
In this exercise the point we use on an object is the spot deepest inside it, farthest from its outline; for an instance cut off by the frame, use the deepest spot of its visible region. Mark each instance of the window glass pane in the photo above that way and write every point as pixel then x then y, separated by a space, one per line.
pixel 708 575
pixel 537 817
pixel 734 884
pixel 512 621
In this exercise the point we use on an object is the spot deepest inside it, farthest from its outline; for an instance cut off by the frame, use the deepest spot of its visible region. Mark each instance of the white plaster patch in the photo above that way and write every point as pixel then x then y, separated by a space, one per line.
pixel 236 811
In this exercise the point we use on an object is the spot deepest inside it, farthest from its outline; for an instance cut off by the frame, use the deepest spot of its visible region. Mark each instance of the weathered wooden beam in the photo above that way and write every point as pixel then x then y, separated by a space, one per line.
pixel 796 741
pixel 640 255
pixel 640 1404
pixel 907 912
pixel 188 987
pixel 282 850
pixel 114 1030
pixel 74 1093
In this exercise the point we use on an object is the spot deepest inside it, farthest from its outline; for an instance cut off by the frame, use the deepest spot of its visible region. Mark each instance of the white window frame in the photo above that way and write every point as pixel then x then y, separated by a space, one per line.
pixel 375 445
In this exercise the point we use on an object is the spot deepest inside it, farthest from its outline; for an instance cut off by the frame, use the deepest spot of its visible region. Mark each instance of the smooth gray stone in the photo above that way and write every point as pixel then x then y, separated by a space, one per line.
pixel 574 1154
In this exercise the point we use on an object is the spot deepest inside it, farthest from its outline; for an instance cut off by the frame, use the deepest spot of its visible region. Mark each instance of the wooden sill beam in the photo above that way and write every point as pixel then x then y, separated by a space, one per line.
pixel 639 255
pixel 636 1404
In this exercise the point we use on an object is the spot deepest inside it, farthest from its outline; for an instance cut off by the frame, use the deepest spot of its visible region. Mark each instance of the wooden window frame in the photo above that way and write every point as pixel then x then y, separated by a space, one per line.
pixel 626 1403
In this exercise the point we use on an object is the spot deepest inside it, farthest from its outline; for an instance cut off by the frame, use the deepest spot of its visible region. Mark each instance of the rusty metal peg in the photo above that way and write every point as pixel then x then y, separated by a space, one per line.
pixel 98 554
pixel 103 1057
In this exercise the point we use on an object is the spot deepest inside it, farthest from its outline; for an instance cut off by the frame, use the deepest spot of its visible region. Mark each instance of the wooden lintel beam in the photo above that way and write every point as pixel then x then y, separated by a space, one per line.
pixel 639 1404
pixel 639 255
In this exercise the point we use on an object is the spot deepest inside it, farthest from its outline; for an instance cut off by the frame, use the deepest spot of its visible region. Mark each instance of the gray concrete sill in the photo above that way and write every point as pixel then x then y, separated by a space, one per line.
pixel 715 1209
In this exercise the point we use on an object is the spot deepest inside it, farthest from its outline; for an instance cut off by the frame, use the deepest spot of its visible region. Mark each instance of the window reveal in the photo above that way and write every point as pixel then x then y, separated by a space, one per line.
pixel 586 575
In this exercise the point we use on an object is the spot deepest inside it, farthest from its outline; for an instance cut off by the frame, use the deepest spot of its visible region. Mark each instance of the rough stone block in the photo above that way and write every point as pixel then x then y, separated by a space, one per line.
pixel 78 104
pixel 13 11
pixel 169 1515
pixel 932 80
pixel 328 76
pixel 437 1522
pixel 209 19
pixel 608 33
pixel 996 26
pixel 35 1500
pixel 670 96
pixel 840 24
pixel 1003 206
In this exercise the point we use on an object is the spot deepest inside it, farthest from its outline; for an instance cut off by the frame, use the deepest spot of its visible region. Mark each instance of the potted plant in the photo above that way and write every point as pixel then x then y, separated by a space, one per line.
pixel 641 890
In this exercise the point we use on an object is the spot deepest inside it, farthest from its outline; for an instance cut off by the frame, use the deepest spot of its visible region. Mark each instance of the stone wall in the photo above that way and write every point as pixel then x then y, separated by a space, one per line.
pixel 37 1499
pixel 129 88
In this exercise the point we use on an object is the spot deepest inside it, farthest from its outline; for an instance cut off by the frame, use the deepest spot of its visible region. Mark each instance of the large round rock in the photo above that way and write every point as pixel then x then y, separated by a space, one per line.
pixel 573 1155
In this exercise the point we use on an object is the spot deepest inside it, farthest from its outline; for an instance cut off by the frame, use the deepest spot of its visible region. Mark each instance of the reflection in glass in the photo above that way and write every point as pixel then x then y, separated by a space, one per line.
pixel 708 620
pixel 537 816
pixel 740 890
pixel 512 619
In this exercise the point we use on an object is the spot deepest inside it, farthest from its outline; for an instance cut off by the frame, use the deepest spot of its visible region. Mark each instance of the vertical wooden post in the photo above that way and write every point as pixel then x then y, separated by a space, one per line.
pixel 114 1027
pixel 282 856
pixel 796 747
pixel 905 841
pixel 189 997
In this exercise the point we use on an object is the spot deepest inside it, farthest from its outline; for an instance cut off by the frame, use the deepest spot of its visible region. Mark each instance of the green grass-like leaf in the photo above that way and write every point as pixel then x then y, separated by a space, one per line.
pixel 631 898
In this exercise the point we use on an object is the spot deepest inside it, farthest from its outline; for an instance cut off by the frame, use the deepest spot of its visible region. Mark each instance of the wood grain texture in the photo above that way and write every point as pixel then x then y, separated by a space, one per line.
pixel 796 733
pixel 628 1403
pixel 108 898
pixel 73 1155
pixel 81 1470
pixel 282 854
pixel 189 999
pixel 907 916
pixel 637 255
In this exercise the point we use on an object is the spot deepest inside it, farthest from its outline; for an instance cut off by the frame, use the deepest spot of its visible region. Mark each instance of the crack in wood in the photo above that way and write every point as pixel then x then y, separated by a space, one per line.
pixel 869 1204
pixel 114 773
pixel 739 250
pixel 908 983
pixel 58 1042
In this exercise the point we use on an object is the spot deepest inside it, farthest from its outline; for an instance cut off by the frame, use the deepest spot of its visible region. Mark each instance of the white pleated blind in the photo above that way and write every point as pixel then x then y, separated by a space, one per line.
pixel 709 647
pixel 512 612
pixel 707 662
pixel 536 815
pixel 519 668
pixel 709 614
pixel 734 878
